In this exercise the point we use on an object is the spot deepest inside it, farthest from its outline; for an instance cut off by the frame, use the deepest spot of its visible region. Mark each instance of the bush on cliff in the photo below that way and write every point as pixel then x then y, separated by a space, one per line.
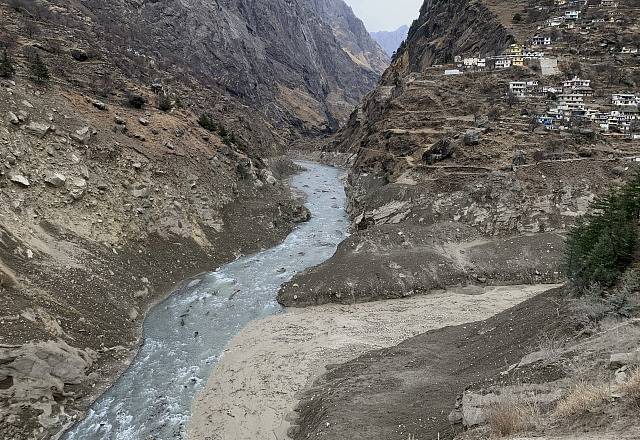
pixel 6 66
pixel 602 244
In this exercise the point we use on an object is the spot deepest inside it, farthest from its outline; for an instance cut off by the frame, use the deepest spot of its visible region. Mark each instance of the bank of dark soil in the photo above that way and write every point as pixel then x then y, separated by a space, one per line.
pixel 394 261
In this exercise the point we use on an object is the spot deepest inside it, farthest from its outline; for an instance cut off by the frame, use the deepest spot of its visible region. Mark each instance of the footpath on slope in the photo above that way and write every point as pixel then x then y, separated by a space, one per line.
pixel 255 387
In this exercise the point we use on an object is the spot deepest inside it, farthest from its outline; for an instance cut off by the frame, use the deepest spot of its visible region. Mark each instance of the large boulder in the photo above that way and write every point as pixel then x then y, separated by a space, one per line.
pixel 79 55
pixel 82 135
pixel 36 376
pixel 55 179
pixel 12 118
pixel 472 137
pixel 76 187
pixel 38 129
pixel 443 149
pixel 519 158
pixel 19 179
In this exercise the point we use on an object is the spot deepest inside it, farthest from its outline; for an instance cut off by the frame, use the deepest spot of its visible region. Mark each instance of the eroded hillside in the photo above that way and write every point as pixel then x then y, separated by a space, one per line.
pixel 492 131
pixel 136 145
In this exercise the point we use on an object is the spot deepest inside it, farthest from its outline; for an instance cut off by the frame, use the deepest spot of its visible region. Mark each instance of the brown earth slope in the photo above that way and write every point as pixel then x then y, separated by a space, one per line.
pixel 408 391
pixel 110 190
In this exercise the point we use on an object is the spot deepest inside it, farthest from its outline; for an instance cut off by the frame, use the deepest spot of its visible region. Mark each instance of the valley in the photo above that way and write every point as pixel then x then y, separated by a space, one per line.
pixel 234 219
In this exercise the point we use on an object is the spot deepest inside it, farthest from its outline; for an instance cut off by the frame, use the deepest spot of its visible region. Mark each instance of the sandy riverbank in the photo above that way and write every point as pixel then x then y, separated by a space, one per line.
pixel 255 386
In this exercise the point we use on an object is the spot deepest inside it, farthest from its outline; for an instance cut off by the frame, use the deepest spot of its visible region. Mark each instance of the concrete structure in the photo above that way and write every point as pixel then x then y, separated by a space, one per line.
pixel 576 83
pixel 622 99
pixel 524 89
pixel 540 41
pixel 572 15
pixel 502 63
pixel 514 50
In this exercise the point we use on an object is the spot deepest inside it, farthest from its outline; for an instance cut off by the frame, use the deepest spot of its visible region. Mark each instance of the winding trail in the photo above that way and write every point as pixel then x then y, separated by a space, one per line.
pixel 185 335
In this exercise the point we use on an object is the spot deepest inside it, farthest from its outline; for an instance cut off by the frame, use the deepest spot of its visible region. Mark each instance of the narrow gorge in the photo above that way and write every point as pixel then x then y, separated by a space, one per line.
pixel 248 220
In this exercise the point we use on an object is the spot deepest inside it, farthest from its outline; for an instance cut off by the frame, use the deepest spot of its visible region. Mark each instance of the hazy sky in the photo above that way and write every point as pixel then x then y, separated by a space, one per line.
pixel 386 15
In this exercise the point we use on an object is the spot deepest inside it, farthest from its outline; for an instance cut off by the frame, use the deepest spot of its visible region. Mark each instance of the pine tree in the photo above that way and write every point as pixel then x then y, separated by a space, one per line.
pixel 6 66
pixel 39 70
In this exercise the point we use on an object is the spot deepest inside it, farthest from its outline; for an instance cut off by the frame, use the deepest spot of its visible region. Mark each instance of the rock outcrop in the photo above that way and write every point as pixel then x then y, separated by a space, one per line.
pixel 301 65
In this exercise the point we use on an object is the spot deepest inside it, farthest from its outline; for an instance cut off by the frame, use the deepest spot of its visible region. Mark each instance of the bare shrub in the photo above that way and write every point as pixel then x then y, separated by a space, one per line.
pixel 631 388
pixel 582 399
pixel 510 417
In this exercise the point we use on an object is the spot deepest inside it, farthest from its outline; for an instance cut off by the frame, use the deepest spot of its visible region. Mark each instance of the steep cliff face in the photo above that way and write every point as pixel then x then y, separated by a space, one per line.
pixel 110 189
pixel 445 29
pixel 390 41
pixel 282 58
pixel 352 35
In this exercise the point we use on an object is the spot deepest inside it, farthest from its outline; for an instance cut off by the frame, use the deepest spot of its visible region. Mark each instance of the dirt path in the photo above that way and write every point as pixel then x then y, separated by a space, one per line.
pixel 255 385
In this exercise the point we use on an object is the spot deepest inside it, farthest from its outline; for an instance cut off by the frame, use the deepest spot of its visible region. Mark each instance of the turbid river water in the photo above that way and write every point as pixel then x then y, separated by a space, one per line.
pixel 184 337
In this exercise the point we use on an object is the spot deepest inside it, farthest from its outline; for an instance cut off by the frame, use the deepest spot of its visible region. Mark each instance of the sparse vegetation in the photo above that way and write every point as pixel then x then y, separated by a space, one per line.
pixel 136 100
pixel 209 124
pixel 6 66
pixel 517 18
pixel 631 388
pixel 37 68
pixel 601 245
pixel 164 103
pixel 583 398
pixel 510 417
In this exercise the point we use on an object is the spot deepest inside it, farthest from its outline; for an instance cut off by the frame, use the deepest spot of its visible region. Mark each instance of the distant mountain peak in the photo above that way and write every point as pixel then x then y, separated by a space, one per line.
pixel 390 40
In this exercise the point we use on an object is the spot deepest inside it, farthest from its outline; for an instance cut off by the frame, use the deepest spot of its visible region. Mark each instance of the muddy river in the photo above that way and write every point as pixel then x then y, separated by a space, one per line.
pixel 184 337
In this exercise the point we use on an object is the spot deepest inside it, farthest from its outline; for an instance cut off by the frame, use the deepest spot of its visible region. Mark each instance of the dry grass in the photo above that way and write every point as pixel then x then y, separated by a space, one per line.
pixel 510 417
pixel 583 398
pixel 631 388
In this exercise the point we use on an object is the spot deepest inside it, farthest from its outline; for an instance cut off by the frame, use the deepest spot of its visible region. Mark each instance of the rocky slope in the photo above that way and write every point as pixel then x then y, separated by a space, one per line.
pixel 425 149
pixel 110 190
pixel 352 35
pixel 452 183
pixel 390 41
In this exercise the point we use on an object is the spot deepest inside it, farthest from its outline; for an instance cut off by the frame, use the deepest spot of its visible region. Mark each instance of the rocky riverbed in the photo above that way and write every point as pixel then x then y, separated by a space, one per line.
pixel 184 336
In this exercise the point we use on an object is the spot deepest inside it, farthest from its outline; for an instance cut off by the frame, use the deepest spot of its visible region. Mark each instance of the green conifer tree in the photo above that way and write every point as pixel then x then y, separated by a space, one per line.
pixel 6 66
pixel 39 70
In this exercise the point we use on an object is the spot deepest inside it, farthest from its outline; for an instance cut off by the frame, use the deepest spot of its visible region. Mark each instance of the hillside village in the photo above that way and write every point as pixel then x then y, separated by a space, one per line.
pixel 601 103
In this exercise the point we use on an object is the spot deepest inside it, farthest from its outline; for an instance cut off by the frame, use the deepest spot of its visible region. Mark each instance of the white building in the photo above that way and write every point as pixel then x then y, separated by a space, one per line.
pixel 540 41
pixel 620 99
pixel 572 15
pixel 555 22
pixel 503 63
pixel 532 54
pixel 552 89
pixel 571 101
pixel 629 50
pixel 479 63
pixel 576 83
pixel 449 72
pixel 609 4
pixel 524 89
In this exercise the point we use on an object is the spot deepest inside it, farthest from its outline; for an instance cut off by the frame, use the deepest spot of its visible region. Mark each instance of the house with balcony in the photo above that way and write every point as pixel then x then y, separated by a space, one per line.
pixel 514 50
pixel 539 40
pixel 572 15
pixel 524 89
pixel 502 62
pixel 625 99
